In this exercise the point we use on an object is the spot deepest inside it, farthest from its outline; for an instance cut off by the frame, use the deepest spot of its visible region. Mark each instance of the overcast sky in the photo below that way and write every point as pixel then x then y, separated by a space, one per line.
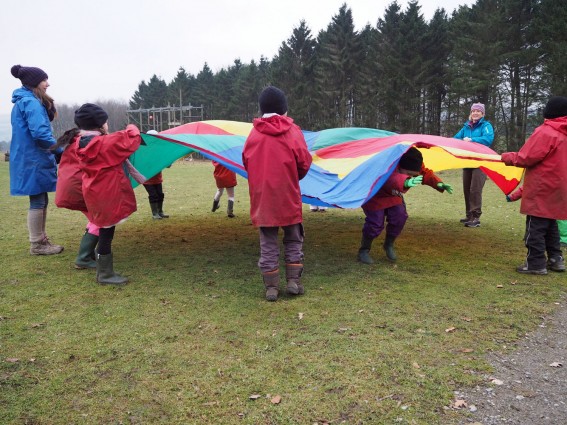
pixel 103 49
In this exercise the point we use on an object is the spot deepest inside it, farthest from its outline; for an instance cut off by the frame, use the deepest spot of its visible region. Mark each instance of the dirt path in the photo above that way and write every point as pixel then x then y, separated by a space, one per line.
pixel 528 387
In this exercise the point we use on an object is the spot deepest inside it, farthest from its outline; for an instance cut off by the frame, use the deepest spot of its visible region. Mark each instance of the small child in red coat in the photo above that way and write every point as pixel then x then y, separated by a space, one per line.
pixel 388 203
pixel 225 179
pixel 106 195
pixel 154 187
pixel 544 198
pixel 558 264
pixel 276 158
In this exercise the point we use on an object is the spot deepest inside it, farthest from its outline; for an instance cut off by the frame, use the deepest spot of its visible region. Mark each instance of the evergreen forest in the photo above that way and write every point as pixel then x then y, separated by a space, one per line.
pixel 404 74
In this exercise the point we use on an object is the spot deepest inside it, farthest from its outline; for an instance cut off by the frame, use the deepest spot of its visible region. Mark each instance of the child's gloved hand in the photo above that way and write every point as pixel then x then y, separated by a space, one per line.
pixel 446 187
pixel 413 181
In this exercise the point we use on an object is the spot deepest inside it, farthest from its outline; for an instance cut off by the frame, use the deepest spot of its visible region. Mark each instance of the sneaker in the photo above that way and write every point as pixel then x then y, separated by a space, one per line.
pixel 524 269
pixel 474 222
pixel 556 264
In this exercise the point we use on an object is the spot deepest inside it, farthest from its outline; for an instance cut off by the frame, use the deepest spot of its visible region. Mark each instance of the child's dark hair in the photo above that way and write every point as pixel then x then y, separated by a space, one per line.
pixel 66 139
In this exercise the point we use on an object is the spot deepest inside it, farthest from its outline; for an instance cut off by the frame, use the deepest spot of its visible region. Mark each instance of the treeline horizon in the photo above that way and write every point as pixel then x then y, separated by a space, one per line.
pixel 403 74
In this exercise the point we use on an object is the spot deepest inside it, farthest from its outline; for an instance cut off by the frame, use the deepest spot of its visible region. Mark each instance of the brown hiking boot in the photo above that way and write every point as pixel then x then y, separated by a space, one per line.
pixel 272 284
pixel 293 274
pixel 45 247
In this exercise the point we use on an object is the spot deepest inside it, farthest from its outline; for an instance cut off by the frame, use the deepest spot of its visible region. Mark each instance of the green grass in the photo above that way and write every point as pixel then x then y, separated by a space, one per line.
pixel 191 338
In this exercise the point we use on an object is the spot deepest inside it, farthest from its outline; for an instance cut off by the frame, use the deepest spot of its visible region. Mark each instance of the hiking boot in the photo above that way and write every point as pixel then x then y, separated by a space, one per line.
pixel 525 270
pixel 465 220
pixel 45 247
pixel 474 222
pixel 272 284
pixel 556 264
pixel 293 274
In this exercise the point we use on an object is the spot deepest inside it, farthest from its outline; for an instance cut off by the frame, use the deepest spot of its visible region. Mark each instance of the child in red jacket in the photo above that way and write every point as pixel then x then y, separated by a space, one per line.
pixel 388 203
pixel 544 197
pixel 225 179
pixel 276 157
pixel 107 195
pixel 154 187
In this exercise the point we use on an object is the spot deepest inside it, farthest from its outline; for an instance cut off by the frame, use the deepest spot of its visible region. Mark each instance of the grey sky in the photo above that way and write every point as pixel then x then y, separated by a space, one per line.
pixel 103 49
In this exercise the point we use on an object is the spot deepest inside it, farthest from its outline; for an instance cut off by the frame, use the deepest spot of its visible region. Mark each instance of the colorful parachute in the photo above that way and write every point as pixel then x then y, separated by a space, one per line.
pixel 349 164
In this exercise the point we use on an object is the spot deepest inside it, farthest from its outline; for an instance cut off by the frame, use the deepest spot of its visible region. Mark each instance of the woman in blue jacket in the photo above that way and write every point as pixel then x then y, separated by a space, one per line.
pixel 33 169
pixel 475 130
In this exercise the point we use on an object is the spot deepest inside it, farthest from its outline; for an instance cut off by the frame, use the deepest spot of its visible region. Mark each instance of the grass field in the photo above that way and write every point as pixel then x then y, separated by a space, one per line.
pixel 190 340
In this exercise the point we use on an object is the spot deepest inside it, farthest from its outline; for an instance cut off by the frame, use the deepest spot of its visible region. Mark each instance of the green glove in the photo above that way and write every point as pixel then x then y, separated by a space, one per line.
pixel 413 181
pixel 445 186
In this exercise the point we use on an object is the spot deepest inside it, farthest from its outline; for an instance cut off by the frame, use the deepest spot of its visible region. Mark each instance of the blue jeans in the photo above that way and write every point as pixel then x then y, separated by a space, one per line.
pixel 39 201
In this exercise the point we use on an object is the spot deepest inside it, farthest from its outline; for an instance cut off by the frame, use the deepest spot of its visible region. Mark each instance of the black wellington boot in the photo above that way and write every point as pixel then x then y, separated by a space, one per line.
pixel 86 257
pixel 389 248
pixel 105 274
pixel 364 250
pixel 229 209
pixel 155 210
pixel 160 210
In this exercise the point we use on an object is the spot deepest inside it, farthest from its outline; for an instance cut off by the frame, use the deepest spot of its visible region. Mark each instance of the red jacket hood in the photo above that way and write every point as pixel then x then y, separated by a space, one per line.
pixel 274 125
pixel 558 124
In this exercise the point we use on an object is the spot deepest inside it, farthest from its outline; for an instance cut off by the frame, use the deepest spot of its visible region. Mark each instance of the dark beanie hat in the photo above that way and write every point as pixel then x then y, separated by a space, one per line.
pixel 412 160
pixel 29 75
pixel 556 107
pixel 272 100
pixel 90 117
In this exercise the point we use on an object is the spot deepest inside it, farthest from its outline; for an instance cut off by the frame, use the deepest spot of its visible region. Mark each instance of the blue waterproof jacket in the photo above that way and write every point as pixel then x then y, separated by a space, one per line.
pixel 481 132
pixel 33 169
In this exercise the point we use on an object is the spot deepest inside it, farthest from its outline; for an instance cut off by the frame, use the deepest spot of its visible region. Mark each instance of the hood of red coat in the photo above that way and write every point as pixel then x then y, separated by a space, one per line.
pixel 274 125
pixel 558 124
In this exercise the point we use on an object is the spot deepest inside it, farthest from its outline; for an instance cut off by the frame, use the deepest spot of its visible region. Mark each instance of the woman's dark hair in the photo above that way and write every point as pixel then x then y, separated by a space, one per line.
pixel 66 139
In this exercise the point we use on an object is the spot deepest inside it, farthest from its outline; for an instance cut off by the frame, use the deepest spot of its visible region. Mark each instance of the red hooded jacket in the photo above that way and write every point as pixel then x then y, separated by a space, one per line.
pixel 107 191
pixel 544 156
pixel 391 192
pixel 69 191
pixel 276 157
pixel 223 176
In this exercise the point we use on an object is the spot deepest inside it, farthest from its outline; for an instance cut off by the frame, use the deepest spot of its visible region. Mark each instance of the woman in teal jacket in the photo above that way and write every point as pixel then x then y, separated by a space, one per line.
pixel 475 130
pixel 33 169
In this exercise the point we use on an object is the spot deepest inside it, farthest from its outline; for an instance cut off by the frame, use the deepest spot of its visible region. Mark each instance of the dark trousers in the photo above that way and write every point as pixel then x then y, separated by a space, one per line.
pixel 542 236
pixel 155 192
pixel 473 183
pixel 270 249
pixel 396 217
pixel 104 246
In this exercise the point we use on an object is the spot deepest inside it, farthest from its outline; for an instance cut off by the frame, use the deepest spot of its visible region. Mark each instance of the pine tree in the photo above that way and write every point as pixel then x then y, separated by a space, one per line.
pixel 339 56
pixel 292 71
